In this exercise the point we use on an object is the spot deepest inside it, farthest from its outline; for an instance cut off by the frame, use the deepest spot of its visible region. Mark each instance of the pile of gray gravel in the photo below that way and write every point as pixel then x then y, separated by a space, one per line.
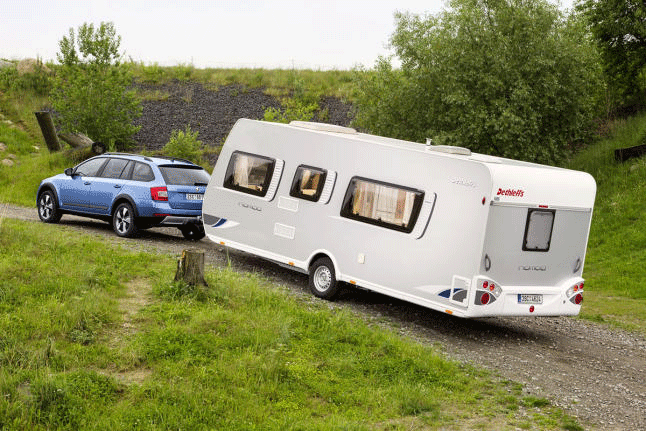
pixel 212 113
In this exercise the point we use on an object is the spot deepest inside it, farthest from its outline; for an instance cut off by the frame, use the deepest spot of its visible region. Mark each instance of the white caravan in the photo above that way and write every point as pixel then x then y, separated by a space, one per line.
pixel 455 231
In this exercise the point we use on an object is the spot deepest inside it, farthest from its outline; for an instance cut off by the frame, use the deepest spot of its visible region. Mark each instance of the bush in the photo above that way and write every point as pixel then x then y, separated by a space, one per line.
pixel 184 145
pixel 91 92
pixel 513 78
pixel 38 79
pixel 293 109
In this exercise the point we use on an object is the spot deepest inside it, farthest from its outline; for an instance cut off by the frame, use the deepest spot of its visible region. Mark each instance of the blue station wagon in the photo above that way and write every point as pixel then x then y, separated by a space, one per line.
pixel 130 191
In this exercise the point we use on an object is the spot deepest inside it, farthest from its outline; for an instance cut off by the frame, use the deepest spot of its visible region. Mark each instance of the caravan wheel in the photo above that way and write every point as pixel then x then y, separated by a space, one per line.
pixel 323 283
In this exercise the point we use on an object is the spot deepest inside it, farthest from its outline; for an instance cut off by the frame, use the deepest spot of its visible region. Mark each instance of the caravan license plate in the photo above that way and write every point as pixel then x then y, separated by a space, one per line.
pixel 530 299
pixel 194 197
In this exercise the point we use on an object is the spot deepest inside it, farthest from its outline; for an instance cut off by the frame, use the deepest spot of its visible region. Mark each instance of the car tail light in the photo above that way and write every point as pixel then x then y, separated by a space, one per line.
pixel 159 193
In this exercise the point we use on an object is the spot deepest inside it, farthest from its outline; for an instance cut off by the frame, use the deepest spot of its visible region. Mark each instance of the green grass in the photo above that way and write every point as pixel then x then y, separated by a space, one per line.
pixel 93 336
pixel 277 82
pixel 615 273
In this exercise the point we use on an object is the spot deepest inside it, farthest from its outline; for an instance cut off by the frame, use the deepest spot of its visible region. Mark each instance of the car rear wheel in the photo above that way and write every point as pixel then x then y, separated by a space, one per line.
pixel 123 220
pixel 192 232
pixel 48 208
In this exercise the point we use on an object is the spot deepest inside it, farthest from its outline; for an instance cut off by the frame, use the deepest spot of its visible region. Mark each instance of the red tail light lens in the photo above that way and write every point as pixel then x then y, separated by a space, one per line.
pixel 159 193
pixel 578 299
pixel 484 299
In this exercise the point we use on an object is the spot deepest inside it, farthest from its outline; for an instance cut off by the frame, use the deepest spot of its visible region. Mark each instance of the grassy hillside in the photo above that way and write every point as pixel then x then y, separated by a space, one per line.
pixel 615 272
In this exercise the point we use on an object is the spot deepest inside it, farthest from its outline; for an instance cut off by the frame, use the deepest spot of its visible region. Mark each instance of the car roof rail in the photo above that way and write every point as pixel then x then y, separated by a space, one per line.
pixel 172 159
pixel 148 158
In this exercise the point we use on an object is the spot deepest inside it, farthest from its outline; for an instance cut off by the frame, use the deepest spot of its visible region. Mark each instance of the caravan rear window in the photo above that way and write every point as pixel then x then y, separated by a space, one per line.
pixel 249 173
pixel 382 204
pixel 538 229
pixel 308 183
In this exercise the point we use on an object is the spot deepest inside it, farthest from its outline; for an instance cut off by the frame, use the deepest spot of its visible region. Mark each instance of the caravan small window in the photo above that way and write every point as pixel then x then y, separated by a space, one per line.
pixel 308 183
pixel 382 204
pixel 538 229
pixel 249 173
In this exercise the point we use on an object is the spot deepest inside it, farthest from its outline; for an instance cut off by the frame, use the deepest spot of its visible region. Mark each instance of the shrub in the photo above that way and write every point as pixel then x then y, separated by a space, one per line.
pixel 184 145
pixel 293 109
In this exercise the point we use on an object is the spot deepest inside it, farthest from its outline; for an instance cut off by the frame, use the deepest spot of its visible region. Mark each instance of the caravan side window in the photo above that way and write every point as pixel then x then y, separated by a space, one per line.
pixel 249 173
pixel 308 183
pixel 382 204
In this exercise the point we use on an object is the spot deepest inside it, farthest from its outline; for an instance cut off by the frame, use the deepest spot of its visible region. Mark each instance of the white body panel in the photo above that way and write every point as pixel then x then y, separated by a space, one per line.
pixel 470 227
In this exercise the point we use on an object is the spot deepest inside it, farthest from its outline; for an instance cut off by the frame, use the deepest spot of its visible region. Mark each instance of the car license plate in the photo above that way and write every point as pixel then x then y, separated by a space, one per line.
pixel 194 197
pixel 530 299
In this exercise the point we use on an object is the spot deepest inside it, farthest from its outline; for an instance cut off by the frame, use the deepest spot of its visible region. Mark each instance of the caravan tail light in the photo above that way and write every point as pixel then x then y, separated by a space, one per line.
pixel 488 291
pixel 159 193
pixel 484 299
pixel 575 293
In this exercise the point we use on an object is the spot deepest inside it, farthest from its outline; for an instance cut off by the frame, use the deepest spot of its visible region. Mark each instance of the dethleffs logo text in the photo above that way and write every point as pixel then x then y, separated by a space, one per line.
pixel 511 192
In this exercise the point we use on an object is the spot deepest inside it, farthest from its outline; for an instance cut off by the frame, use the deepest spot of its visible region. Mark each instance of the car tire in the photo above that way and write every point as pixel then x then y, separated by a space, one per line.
pixel 123 220
pixel 193 232
pixel 48 207
pixel 323 282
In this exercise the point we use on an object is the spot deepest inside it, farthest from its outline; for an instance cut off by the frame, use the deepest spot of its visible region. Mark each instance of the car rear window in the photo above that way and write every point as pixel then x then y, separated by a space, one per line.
pixel 184 175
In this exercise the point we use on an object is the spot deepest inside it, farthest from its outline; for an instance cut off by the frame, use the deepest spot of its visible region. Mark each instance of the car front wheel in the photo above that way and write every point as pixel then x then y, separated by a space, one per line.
pixel 48 208
pixel 123 220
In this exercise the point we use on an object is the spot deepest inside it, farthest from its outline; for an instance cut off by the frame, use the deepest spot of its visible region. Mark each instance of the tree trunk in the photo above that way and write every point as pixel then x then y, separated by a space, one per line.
pixel 190 267
pixel 76 140
pixel 49 131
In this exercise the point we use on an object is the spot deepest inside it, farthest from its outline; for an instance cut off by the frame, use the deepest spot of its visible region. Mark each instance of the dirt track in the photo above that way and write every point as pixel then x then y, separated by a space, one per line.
pixel 594 373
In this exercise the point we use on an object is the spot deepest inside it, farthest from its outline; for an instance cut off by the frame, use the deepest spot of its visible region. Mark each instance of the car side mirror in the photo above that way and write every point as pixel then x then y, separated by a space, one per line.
pixel 69 172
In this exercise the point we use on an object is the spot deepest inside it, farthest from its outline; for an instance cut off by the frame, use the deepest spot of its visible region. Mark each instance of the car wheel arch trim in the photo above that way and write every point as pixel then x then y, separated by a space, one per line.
pixel 124 198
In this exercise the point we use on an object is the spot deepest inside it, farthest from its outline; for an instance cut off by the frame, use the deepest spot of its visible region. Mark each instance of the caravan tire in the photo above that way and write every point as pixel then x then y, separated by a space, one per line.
pixel 323 282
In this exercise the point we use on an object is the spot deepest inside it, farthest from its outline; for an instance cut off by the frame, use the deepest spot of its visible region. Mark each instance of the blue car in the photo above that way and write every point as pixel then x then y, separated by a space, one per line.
pixel 131 191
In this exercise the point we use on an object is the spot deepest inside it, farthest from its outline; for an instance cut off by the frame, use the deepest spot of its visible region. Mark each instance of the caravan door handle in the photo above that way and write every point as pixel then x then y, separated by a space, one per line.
pixel 87 183
pixel 117 186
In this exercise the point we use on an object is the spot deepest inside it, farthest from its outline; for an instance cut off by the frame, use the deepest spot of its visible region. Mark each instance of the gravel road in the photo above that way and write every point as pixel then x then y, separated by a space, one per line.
pixel 595 373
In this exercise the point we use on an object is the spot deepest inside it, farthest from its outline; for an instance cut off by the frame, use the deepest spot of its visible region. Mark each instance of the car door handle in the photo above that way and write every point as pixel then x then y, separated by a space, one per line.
pixel 87 183
pixel 117 186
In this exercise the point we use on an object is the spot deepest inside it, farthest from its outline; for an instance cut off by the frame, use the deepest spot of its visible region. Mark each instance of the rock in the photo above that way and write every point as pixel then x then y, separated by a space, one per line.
pixel 11 156
pixel 31 65
pixel 3 146
pixel 7 162
pixel 35 147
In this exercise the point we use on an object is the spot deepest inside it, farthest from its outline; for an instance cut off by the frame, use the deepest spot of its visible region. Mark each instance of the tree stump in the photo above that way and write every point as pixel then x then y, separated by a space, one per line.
pixel 49 131
pixel 190 267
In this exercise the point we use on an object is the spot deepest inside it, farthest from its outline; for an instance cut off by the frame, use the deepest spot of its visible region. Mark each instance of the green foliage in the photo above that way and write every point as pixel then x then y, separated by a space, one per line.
pixel 619 29
pixel 184 144
pixel 513 78
pixel 39 80
pixel 293 109
pixel 91 92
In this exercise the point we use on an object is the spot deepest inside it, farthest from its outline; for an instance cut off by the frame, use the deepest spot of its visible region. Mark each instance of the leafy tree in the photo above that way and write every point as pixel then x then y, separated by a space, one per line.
pixel 619 28
pixel 514 78
pixel 90 91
